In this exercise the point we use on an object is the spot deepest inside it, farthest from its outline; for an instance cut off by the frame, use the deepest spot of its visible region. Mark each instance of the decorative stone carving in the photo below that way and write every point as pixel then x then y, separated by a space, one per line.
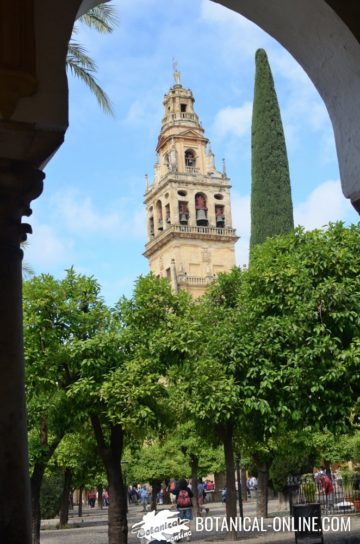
pixel 210 161
pixel 206 255
pixel 173 159
pixel 20 183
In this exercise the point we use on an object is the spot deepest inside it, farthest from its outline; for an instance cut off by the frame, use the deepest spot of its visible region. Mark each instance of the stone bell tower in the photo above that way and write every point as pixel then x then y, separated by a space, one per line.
pixel 189 227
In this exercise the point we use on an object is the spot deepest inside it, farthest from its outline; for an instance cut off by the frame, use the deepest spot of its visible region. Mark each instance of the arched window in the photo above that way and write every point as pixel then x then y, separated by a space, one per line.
pixel 159 215
pixel 183 212
pixel 151 227
pixel 219 216
pixel 167 214
pixel 201 210
pixel 190 160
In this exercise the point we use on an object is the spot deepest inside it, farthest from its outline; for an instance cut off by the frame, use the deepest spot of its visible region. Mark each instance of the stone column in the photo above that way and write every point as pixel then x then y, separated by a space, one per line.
pixel 20 183
pixel 210 203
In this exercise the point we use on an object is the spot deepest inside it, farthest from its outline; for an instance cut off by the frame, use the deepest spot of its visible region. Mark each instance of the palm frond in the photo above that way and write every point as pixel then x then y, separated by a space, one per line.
pixel 101 17
pixel 77 54
pixel 26 268
pixel 84 67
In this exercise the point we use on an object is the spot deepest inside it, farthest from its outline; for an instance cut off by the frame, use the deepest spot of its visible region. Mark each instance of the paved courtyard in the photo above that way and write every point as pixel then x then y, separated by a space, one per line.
pixel 91 528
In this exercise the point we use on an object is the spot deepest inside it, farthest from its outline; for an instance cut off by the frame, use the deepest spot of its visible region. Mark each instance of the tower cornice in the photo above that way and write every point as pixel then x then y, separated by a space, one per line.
pixel 190 233
pixel 187 135
pixel 219 184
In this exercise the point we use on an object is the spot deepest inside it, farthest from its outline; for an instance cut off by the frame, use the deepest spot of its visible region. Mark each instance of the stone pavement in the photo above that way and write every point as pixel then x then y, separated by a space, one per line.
pixel 92 528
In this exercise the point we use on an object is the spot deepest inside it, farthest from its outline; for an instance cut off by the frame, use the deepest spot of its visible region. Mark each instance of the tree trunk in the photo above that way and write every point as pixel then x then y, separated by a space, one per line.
pixel 283 500
pixel 37 477
pixel 227 436
pixel 118 529
pixel 35 483
pixel 80 510
pixel 194 464
pixel 262 491
pixel 244 493
pixel 64 508
pixel 156 486
pixel 166 495
pixel 111 457
pixel 327 465
pixel 100 494
pixel 71 498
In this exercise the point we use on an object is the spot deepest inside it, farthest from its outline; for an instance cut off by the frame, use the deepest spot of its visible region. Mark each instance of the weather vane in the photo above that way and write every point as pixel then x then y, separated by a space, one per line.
pixel 176 72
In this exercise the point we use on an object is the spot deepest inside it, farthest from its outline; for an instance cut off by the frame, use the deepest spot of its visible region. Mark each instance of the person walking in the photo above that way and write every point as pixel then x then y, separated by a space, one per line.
pixel 144 497
pixel 183 496
pixel 328 489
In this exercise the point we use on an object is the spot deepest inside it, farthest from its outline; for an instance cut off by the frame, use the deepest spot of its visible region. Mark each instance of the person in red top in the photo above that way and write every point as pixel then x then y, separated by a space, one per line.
pixel 328 489
pixel 210 485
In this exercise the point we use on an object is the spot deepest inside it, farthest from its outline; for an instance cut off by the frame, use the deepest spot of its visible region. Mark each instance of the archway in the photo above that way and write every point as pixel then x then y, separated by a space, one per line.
pixel 323 36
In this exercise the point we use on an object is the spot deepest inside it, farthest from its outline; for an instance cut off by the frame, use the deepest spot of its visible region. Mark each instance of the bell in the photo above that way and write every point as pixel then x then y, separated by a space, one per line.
pixel 220 221
pixel 183 219
pixel 201 219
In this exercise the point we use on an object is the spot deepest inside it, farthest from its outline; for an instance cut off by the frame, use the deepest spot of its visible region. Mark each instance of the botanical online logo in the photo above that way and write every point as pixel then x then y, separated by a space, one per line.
pixel 163 525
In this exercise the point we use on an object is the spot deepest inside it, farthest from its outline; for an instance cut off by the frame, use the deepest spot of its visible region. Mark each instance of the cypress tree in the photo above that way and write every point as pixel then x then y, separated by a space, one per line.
pixel 271 204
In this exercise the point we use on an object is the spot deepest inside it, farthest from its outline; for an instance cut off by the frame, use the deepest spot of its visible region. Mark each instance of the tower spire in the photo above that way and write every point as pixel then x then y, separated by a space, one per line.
pixel 176 74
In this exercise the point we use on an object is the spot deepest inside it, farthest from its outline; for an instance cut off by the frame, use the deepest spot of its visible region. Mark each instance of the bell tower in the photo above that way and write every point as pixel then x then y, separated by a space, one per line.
pixel 189 226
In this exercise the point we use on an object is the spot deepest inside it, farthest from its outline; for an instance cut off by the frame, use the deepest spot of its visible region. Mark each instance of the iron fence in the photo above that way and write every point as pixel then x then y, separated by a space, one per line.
pixel 343 498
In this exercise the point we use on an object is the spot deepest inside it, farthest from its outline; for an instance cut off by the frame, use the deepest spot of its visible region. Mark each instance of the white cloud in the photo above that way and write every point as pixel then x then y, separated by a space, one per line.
pixel 46 249
pixel 135 114
pixel 324 204
pixel 81 217
pixel 241 221
pixel 241 36
pixel 233 121
pixel 302 108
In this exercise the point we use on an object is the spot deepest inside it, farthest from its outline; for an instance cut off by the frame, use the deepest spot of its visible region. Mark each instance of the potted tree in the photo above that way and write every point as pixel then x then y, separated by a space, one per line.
pixel 309 490
pixel 347 478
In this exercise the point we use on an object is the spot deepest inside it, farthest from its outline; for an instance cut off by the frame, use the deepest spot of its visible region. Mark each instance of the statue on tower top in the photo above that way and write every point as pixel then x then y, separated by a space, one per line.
pixel 177 74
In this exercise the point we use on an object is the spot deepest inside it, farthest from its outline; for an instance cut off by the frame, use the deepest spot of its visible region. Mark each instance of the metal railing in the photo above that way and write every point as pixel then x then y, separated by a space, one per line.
pixel 188 176
pixel 344 497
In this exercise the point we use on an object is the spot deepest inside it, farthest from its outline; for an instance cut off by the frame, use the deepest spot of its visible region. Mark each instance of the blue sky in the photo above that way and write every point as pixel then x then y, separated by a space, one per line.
pixel 91 213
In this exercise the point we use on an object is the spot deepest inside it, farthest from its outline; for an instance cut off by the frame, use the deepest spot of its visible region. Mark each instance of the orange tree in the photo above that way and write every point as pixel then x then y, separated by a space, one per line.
pixel 120 384
pixel 276 348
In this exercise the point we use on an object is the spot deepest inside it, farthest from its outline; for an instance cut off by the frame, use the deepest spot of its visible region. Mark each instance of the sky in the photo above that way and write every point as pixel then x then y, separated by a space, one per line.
pixel 91 214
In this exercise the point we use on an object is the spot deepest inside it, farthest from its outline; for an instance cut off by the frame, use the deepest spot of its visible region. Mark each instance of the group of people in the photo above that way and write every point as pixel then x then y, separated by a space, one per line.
pixel 92 496
pixel 142 494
